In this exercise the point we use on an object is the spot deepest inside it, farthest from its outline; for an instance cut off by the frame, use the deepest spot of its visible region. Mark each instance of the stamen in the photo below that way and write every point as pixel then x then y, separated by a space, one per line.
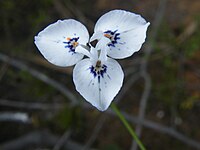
pixel 71 43
pixel 98 64
pixel 113 36
pixel 68 39
pixel 108 35
pixel 75 44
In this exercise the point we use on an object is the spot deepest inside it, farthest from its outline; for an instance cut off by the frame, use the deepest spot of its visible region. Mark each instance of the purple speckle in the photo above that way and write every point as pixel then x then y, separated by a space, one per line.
pixel 115 37
pixel 98 72
pixel 69 44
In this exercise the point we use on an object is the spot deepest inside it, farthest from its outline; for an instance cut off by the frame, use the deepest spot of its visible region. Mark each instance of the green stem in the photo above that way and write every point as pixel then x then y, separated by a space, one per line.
pixel 128 127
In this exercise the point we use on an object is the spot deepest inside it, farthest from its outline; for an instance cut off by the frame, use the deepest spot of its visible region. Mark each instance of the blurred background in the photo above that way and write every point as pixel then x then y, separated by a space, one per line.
pixel 41 110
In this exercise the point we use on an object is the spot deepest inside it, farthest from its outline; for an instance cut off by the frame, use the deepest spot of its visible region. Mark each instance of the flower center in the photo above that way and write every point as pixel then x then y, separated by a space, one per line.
pixel 71 43
pixel 98 70
pixel 113 36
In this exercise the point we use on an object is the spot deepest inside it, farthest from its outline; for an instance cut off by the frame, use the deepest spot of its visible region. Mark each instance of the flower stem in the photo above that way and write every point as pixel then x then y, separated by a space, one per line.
pixel 128 127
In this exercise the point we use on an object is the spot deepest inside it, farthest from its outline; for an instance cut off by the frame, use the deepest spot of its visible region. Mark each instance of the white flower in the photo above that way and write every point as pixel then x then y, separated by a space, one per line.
pixel 126 31
pixel 97 78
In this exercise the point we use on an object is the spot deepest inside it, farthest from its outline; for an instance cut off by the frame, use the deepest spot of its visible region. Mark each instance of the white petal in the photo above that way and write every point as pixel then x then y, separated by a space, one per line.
pixel 119 20
pixel 56 53
pixel 51 42
pixel 128 42
pixel 65 28
pixel 99 91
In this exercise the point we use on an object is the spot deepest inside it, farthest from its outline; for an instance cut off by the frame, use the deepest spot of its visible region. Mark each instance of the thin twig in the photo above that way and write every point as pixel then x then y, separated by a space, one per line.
pixel 30 105
pixel 62 140
pixel 143 101
pixel 18 64
pixel 15 117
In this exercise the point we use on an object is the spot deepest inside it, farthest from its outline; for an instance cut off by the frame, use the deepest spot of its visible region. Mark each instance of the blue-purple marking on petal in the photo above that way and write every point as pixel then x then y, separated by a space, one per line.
pixel 70 44
pixel 92 70
pixel 98 72
pixel 114 36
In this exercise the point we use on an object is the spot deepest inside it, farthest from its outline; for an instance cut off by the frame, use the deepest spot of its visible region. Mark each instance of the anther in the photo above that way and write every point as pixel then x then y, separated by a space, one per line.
pixel 108 36
pixel 75 44
pixel 68 39
pixel 98 64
